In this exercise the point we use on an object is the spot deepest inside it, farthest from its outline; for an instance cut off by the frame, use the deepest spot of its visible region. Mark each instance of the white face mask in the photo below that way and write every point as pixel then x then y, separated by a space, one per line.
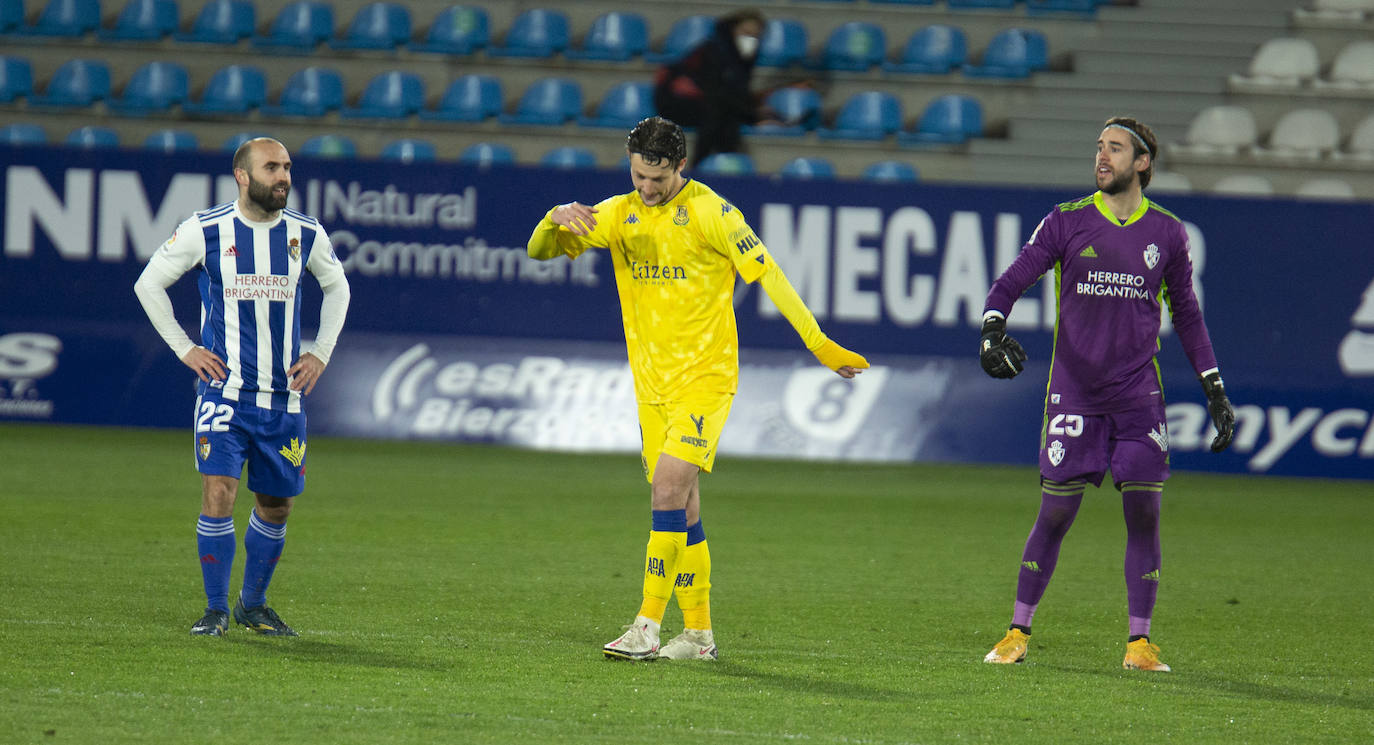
pixel 748 46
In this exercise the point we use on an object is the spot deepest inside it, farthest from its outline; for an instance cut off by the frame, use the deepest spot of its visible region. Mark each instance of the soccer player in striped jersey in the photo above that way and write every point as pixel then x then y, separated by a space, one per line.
pixel 250 255
pixel 676 247
pixel 1116 257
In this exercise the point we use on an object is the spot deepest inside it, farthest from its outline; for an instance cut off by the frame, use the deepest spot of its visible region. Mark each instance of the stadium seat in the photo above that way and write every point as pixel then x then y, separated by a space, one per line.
pixel 869 115
pixel 903 2
pixel 684 35
pixel 855 46
pixel 1326 188
pixel 1012 53
pixel 1305 134
pixel 93 137
pixel 313 91
pixel 235 140
pixel 948 119
pixel 726 164
pixel 799 110
pixel 67 18
pixel 390 95
pixel 891 171
pixel 144 20
pixel 11 16
pixel 1243 184
pixel 460 30
pixel 807 168
pixel 623 106
pixel 16 78
pixel 222 22
pixel 376 26
pixel 1168 181
pixel 410 151
pixel 470 98
pixel 569 157
pixel 1361 144
pixel 538 32
pixel 934 50
pixel 236 89
pixel 329 146
pixel 172 141
pixel 487 154
pixel 615 36
pixel 1004 4
pixel 77 83
pixel 1281 63
pixel 299 27
pixel 783 43
pixel 548 101
pixel 1045 7
pixel 22 133
pixel 1219 130
pixel 1353 68
pixel 156 86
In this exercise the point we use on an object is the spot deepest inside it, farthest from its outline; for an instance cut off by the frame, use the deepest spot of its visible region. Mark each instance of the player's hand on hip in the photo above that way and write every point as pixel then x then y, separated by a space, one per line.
pixel 844 362
pixel 1000 355
pixel 207 365
pixel 305 373
pixel 578 218
pixel 1219 407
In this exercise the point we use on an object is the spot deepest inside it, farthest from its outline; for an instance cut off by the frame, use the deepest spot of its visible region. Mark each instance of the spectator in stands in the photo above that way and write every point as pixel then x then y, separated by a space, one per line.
pixel 709 87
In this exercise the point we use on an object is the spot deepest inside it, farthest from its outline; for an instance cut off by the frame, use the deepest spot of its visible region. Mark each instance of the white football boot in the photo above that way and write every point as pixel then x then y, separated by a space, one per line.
pixel 639 642
pixel 691 644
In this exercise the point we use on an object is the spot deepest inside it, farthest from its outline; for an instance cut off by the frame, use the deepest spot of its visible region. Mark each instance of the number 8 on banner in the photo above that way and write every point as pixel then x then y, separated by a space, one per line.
pixel 826 407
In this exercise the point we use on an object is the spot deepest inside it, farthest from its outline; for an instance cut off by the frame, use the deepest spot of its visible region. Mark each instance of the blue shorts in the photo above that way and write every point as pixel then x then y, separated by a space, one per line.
pixel 229 434
pixel 1134 444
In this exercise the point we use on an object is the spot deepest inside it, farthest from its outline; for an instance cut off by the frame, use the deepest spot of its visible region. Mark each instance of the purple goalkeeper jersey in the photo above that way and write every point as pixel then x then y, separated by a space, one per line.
pixel 1110 278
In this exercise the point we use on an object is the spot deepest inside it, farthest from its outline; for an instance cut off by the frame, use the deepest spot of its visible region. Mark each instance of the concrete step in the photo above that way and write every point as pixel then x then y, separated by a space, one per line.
pixel 1142 85
pixel 1171 64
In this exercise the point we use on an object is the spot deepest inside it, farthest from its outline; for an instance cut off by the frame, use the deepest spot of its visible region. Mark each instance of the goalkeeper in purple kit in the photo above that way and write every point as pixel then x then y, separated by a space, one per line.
pixel 1116 256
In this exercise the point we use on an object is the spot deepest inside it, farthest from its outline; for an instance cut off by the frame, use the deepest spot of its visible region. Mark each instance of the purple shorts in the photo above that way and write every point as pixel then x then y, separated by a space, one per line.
pixel 1133 444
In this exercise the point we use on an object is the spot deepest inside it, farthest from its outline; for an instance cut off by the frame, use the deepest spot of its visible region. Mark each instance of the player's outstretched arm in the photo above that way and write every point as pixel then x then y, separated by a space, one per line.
pixel 844 362
pixel 1219 407
pixel 1000 355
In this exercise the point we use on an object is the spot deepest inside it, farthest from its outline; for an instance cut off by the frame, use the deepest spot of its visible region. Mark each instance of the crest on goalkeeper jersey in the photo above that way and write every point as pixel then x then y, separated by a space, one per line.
pixel 1151 256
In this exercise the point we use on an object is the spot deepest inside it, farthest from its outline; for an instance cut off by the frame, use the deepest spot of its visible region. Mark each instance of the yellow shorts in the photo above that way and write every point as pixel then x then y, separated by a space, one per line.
pixel 688 430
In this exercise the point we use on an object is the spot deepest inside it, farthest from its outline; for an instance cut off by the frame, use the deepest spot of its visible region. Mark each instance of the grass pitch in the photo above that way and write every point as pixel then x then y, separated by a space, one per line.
pixel 461 594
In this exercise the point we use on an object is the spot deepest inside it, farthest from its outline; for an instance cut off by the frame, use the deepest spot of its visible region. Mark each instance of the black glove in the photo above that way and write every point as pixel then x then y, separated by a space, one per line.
pixel 1223 416
pixel 1000 355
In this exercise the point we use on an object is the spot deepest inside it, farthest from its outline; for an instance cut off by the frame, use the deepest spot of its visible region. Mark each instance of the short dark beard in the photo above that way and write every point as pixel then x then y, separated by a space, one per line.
pixel 1118 184
pixel 261 195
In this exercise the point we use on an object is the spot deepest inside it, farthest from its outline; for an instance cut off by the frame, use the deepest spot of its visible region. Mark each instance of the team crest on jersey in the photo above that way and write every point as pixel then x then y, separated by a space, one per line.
pixel 1056 452
pixel 1151 256
pixel 681 217
pixel 293 247
pixel 1161 437
pixel 204 448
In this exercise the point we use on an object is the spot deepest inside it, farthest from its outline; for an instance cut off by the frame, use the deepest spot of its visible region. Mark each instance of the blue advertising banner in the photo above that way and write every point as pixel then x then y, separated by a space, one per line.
pixel 435 256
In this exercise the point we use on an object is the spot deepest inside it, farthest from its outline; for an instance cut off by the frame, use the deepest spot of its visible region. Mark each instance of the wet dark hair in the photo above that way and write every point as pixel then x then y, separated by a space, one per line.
pixel 1142 139
pixel 657 140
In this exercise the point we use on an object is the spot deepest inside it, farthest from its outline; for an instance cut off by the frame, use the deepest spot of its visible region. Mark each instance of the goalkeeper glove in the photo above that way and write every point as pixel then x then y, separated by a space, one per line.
pixel 834 356
pixel 1223 416
pixel 1000 354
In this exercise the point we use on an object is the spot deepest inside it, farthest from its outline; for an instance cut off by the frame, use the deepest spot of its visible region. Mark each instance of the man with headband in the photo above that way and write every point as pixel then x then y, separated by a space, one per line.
pixel 1116 256
pixel 676 247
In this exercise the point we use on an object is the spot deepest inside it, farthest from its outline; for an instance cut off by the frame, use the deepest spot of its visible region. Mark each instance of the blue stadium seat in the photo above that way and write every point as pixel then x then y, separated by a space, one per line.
pixel 222 22
pixel 936 49
pixel 11 16
pixel 1003 4
pixel 808 168
pixel 410 151
pixel 236 89
pixel 93 137
pixel 548 101
pixel 144 20
pixel 16 78
pixel 78 82
pixel 868 115
pixel 299 27
pixel 799 110
pixel 854 46
pixel 487 154
pixel 614 36
pixel 470 98
pixel 460 29
pixel 623 106
pixel 783 44
pixel 376 26
pixel 726 164
pixel 891 171
pixel 235 140
pixel 390 95
pixel 22 133
pixel 313 91
pixel 569 157
pixel 329 146
pixel 172 141
pixel 67 18
pixel 538 32
pixel 948 119
pixel 1078 7
pixel 1012 53
pixel 156 86
pixel 685 34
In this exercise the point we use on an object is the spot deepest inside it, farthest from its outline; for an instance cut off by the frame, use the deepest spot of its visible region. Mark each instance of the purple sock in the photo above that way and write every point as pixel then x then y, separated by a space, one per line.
pixel 1058 507
pixel 1140 504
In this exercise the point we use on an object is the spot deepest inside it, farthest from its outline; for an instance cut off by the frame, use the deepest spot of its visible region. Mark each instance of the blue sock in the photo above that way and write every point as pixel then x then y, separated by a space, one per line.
pixel 262 543
pixel 695 533
pixel 215 545
pixel 670 521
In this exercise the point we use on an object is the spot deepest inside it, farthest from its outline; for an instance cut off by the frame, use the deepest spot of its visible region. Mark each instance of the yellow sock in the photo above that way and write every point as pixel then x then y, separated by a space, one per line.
pixel 693 585
pixel 661 557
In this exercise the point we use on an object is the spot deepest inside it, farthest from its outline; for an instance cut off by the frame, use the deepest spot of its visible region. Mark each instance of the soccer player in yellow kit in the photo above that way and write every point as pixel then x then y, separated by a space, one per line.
pixel 676 246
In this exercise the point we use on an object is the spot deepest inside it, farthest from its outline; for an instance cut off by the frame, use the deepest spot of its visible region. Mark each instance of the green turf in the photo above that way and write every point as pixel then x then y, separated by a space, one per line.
pixel 461 594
